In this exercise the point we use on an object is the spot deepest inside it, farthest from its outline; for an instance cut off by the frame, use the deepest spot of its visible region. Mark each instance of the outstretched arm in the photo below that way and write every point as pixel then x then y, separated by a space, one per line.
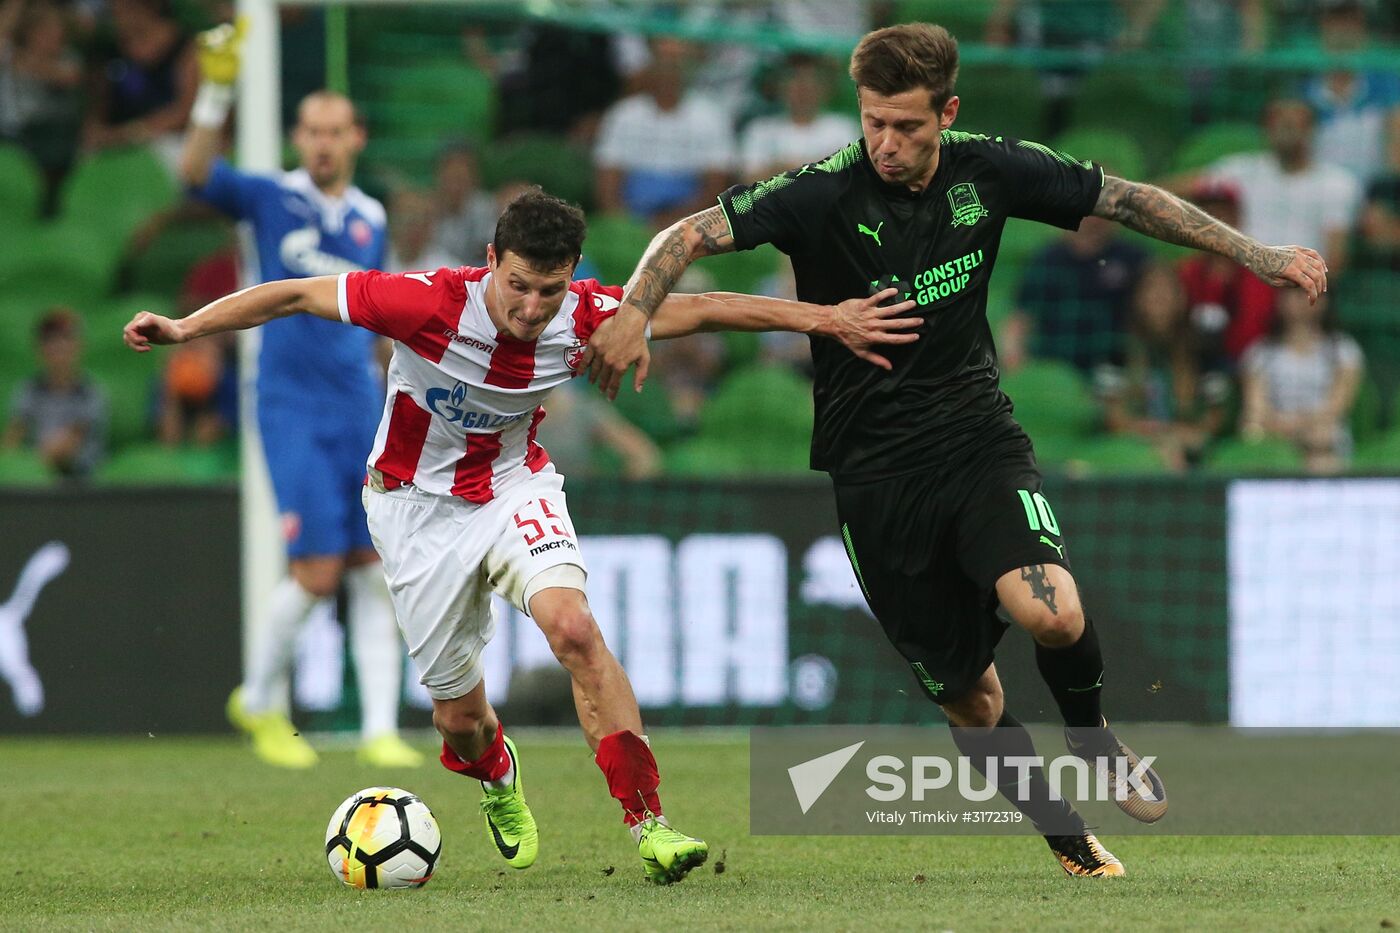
pixel 239 311
pixel 1163 216
pixel 668 255
pixel 859 323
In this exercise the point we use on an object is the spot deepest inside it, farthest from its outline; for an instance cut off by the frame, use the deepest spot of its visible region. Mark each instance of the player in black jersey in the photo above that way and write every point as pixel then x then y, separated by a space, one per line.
pixel 936 484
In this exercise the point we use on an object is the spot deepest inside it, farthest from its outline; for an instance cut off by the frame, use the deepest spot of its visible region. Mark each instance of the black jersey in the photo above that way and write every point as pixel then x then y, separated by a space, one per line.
pixel 848 231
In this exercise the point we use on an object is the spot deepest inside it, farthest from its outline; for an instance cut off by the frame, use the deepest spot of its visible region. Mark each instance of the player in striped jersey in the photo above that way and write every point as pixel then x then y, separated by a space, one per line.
pixel 462 501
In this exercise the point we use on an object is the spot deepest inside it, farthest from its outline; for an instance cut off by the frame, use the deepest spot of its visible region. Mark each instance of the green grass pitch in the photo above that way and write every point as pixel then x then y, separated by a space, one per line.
pixel 177 834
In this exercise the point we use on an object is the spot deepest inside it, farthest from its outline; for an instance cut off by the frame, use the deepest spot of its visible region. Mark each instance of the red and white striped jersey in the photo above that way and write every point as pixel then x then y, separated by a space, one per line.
pixel 464 400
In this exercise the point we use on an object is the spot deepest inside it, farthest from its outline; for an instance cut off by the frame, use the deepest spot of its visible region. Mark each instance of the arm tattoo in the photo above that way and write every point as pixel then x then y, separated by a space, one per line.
pixel 672 250
pixel 1041 587
pixel 1163 216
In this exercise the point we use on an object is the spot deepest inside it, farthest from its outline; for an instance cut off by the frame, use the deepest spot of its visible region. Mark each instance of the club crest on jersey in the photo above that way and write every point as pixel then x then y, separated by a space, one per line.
pixel 360 232
pixel 967 207
pixel 573 356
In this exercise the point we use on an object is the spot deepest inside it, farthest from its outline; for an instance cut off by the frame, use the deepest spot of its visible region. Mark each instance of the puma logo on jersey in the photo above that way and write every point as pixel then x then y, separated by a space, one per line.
pixel 873 234
pixel 1059 548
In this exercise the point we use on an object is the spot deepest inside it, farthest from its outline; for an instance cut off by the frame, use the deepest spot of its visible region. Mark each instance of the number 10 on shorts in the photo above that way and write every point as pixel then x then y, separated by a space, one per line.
pixel 532 528
pixel 1038 512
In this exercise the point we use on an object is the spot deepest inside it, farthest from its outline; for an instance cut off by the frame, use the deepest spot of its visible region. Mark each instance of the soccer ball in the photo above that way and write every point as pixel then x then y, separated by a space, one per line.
pixel 383 837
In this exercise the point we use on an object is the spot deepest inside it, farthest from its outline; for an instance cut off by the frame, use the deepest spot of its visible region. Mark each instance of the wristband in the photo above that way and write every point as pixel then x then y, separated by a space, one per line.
pixel 211 105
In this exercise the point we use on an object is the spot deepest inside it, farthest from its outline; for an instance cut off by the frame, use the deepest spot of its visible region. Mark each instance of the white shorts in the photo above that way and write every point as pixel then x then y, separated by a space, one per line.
pixel 444 556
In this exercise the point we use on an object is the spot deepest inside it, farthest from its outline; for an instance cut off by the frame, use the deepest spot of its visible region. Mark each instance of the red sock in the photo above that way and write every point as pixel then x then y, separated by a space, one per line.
pixel 630 768
pixel 493 763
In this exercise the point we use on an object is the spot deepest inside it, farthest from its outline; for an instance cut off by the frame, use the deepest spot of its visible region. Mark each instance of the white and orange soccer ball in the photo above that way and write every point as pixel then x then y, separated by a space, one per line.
pixel 383 837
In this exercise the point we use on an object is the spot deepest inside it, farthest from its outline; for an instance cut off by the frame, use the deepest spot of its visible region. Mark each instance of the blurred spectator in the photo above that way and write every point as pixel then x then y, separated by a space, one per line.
pixel 558 80
pixel 579 421
pixel 1073 299
pixel 1229 307
pixel 1352 106
pixel 142 87
pixel 411 243
pixel 198 400
pixel 1301 381
pixel 662 154
pixel 1380 218
pixel 1286 196
pixel 40 76
pixel 1163 392
pixel 60 412
pixel 802 133
pixel 466 219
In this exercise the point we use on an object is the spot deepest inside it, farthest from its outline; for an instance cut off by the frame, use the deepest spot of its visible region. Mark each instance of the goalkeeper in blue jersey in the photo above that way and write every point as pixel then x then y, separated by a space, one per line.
pixel 319 401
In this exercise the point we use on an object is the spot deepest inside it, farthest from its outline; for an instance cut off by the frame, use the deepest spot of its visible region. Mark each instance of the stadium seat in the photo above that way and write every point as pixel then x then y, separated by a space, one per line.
pixel 129 380
pixel 1115 455
pixel 161 267
pixel 435 99
pixel 763 415
pixel 57 264
pixel 1115 150
pixel 1000 100
pixel 1367 414
pixel 23 468
pixel 1159 114
pixel 743 272
pixel 705 457
pixel 1052 401
pixel 649 410
pixel 552 162
pixel 157 465
pixel 615 243
pixel 1211 143
pixel 1380 454
pixel 115 190
pixel 1022 239
pixel 21 187
pixel 1270 455
pixel 965 19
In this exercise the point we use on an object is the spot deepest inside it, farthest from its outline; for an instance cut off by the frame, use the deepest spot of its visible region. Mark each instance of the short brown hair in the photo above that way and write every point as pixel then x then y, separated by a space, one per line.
pixel 545 231
pixel 899 58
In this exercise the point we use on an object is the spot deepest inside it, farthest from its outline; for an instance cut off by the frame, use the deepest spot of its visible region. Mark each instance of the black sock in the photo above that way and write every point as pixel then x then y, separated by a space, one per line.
pixel 1074 674
pixel 1051 816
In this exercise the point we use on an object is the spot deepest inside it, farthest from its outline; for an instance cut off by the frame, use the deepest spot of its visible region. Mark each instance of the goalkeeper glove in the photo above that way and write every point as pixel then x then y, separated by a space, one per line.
pixel 219 51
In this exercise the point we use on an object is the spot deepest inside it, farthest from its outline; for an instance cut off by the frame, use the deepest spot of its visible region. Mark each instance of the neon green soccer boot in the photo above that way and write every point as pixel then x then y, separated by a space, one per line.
pixel 509 820
pixel 275 740
pixel 668 855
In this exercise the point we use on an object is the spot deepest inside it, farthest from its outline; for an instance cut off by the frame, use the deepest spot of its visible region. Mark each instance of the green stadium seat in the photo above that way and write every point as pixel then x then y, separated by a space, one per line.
pixel 649 409
pixel 1053 403
pixel 1212 143
pixel 21 187
pixel 615 243
pixel 1000 100
pixel 115 190
pixel 1159 114
pixel 1367 414
pixel 742 272
pixel 130 380
pixel 965 19
pixel 1116 455
pixel 1022 239
pixel 434 99
pixel 157 465
pixel 1269 455
pixel 763 416
pixel 161 267
pixel 552 162
pixel 23 468
pixel 1118 152
pixel 705 457
pixel 57 264
pixel 1380 454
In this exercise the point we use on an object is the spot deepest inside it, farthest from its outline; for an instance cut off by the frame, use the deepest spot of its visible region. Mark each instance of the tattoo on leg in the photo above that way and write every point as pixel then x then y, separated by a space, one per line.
pixel 1041 587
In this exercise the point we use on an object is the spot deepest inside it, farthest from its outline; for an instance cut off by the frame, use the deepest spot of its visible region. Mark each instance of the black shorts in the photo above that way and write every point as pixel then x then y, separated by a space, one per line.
pixel 929 547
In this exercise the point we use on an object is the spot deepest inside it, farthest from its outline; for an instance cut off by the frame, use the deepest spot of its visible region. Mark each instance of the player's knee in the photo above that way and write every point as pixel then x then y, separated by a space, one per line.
pixel 980 707
pixel 319 580
pixel 457 722
pixel 1055 629
pixel 573 635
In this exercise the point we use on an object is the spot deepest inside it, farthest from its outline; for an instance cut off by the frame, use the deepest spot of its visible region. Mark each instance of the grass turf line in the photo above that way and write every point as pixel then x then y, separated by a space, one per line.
pixel 174 834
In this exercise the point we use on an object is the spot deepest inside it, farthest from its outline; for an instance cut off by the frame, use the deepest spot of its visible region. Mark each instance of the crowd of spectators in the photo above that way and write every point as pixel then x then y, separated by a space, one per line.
pixel 1179 352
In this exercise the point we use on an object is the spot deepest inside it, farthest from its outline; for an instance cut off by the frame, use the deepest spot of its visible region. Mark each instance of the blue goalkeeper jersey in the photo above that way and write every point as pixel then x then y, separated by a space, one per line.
pixel 318 366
